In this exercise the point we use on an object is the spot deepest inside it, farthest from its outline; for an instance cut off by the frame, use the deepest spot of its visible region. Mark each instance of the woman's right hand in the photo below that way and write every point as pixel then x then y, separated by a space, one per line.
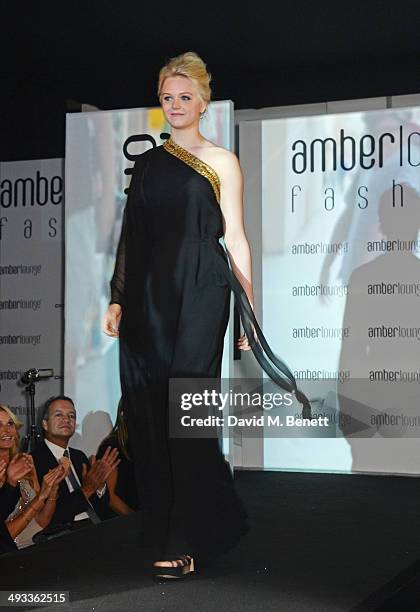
pixel 111 320
pixel 20 466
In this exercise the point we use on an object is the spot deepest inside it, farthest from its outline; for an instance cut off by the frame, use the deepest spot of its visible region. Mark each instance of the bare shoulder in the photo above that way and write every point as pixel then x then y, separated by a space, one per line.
pixel 224 162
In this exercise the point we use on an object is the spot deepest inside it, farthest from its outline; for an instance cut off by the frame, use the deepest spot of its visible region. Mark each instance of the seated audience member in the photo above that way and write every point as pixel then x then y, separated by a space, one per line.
pixel 10 474
pixel 121 482
pixel 34 505
pixel 82 494
pixel 9 439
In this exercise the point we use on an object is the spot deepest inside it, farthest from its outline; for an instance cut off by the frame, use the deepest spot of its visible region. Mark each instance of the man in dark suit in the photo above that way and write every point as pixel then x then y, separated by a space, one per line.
pixel 82 496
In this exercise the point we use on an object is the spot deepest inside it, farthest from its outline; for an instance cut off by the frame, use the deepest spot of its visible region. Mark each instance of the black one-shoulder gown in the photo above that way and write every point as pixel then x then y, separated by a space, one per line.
pixel 175 310
pixel 173 281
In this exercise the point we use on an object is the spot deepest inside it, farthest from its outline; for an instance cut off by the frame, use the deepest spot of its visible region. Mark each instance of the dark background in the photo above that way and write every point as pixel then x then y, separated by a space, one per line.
pixel 107 53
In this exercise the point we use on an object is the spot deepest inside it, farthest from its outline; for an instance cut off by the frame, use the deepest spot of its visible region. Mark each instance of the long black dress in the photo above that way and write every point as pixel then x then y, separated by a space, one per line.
pixel 175 307
pixel 173 281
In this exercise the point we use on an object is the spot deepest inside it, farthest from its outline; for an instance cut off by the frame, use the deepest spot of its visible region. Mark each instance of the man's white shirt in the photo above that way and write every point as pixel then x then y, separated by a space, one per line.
pixel 58 452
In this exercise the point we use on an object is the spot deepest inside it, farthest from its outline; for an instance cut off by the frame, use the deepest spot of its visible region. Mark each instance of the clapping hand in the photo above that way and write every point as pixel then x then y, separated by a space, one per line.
pixel 95 478
pixel 20 466
pixel 49 480
pixel 65 463
pixel 53 478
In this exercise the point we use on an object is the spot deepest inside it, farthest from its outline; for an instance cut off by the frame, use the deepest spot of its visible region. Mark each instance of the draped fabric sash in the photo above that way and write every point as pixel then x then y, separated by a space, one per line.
pixel 274 367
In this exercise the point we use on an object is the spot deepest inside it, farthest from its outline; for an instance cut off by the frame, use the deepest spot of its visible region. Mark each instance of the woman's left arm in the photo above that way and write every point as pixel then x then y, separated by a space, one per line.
pixel 231 204
pixel 44 516
pixel 17 524
pixel 237 246
pixel 50 487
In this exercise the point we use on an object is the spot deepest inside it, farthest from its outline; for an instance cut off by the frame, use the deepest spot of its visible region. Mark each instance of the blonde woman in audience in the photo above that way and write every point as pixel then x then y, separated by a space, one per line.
pixel 9 439
pixel 36 504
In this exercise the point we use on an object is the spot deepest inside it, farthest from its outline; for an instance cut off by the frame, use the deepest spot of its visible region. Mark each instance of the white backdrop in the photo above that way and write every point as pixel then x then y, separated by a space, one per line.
pixel 31 300
pixel 335 214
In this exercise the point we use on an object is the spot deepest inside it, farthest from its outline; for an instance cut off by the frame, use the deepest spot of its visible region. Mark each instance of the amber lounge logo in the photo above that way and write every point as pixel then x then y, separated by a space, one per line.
pixel 347 153
pixel 31 191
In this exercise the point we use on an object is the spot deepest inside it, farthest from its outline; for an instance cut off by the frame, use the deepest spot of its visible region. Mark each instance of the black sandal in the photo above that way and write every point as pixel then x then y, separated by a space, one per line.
pixel 179 572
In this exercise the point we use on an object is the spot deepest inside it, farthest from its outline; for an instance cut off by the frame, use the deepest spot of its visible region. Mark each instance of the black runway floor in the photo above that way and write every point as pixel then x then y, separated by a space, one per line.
pixel 318 542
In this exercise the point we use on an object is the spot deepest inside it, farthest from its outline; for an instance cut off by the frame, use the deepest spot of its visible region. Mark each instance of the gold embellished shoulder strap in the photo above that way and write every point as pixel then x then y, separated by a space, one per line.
pixel 196 163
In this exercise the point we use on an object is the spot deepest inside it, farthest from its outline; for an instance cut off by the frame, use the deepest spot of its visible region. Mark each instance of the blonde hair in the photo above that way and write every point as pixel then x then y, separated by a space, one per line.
pixel 189 65
pixel 18 424
pixel 32 478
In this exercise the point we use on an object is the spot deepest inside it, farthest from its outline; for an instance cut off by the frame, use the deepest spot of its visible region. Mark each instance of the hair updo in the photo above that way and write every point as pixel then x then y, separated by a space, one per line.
pixel 188 65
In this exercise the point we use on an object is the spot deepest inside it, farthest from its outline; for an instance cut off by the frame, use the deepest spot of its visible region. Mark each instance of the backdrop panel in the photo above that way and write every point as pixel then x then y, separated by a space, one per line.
pixel 341 281
pixel 31 295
